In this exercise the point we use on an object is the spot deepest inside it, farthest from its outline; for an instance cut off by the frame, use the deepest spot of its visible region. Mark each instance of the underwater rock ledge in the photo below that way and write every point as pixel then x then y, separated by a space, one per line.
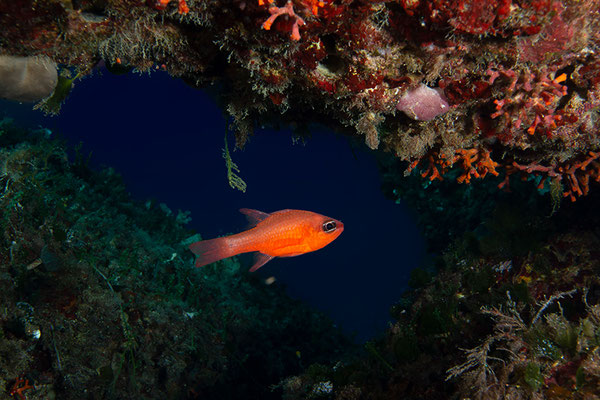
pixel 517 83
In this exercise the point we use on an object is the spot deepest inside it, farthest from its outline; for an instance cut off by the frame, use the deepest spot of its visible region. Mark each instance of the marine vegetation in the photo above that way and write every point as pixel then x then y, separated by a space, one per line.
pixel 100 299
pixel 508 311
pixel 479 105
pixel 463 89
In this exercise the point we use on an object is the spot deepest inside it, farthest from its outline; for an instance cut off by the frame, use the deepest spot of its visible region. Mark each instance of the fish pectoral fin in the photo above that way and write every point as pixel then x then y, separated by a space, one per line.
pixel 260 259
pixel 293 255
pixel 253 216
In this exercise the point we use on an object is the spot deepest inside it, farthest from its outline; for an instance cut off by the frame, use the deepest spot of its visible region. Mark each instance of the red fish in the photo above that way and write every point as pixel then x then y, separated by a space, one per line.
pixel 285 233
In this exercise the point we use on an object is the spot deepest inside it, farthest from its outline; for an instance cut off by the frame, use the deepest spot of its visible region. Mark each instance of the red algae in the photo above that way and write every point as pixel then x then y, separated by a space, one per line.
pixel 498 64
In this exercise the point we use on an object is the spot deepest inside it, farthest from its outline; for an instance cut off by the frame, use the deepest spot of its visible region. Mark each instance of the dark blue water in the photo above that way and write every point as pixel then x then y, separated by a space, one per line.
pixel 165 138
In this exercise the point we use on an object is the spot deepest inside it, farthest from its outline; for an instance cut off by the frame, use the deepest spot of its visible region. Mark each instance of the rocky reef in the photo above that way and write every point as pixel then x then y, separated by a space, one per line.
pixel 511 310
pixel 499 88
pixel 99 299
pixel 479 107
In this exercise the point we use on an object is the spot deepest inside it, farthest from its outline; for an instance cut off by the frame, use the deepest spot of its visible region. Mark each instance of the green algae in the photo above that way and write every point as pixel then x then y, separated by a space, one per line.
pixel 419 277
pixel 434 319
pixel 521 319
pixel 130 317
pixel 406 347
pixel 52 104
pixel 533 376
pixel 235 181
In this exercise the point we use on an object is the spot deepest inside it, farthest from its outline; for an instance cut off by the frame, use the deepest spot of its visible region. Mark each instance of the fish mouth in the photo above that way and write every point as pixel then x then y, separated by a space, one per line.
pixel 340 226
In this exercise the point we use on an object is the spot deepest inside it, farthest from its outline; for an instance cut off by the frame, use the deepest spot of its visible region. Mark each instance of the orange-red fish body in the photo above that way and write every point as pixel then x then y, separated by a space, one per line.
pixel 284 233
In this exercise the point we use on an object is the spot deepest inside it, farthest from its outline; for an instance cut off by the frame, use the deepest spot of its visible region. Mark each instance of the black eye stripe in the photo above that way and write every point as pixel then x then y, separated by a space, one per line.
pixel 329 226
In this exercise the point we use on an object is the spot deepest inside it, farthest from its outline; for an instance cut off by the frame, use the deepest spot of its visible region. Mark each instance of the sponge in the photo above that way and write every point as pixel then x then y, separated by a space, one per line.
pixel 423 103
pixel 27 79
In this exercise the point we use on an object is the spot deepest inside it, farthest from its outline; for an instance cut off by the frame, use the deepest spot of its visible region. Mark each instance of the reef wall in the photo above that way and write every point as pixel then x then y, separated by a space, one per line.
pixel 502 87
pixel 100 298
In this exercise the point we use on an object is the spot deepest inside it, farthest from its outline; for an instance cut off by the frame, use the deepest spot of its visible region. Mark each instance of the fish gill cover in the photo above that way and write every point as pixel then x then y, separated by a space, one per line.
pixel 501 91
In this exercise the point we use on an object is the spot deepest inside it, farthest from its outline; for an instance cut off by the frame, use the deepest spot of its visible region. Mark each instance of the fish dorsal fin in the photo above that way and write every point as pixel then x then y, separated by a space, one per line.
pixel 254 216
pixel 260 259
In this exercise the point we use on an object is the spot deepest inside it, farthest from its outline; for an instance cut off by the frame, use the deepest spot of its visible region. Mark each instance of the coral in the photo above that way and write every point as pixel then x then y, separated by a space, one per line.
pixel 576 174
pixel 521 91
pixel 474 163
pixel 536 104
pixel 519 81
pixel 182 7
pixel 287 10
pixel 19 388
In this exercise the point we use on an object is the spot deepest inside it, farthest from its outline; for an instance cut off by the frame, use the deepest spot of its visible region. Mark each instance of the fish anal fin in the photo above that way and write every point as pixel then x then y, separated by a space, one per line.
pixel 253 216
pixel 260 259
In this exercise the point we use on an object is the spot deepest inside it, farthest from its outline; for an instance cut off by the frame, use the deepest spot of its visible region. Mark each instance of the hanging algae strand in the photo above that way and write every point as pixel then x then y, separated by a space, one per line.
pixel 235 181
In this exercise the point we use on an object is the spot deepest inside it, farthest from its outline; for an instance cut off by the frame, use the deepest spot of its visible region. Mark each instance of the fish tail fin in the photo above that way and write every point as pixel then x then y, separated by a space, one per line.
pixel 212 250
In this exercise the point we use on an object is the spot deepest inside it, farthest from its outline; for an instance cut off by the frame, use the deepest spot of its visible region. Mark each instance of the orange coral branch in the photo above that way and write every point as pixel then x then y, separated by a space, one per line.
pixel 531 101
pixel 576 175
pixel 288 10
pixel 19 387
pixel 182 7
pixel 477 163
pixel 474 162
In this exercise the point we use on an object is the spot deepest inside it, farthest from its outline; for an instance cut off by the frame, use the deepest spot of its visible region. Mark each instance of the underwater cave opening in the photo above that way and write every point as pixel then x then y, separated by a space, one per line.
pixel 165 139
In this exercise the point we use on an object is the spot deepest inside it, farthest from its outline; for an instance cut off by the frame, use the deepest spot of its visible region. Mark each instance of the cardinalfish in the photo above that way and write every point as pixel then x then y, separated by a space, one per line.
pixel 285 233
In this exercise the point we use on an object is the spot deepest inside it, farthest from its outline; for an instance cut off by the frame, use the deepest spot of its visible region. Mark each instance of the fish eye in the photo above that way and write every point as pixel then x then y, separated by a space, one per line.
pixel 329 226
